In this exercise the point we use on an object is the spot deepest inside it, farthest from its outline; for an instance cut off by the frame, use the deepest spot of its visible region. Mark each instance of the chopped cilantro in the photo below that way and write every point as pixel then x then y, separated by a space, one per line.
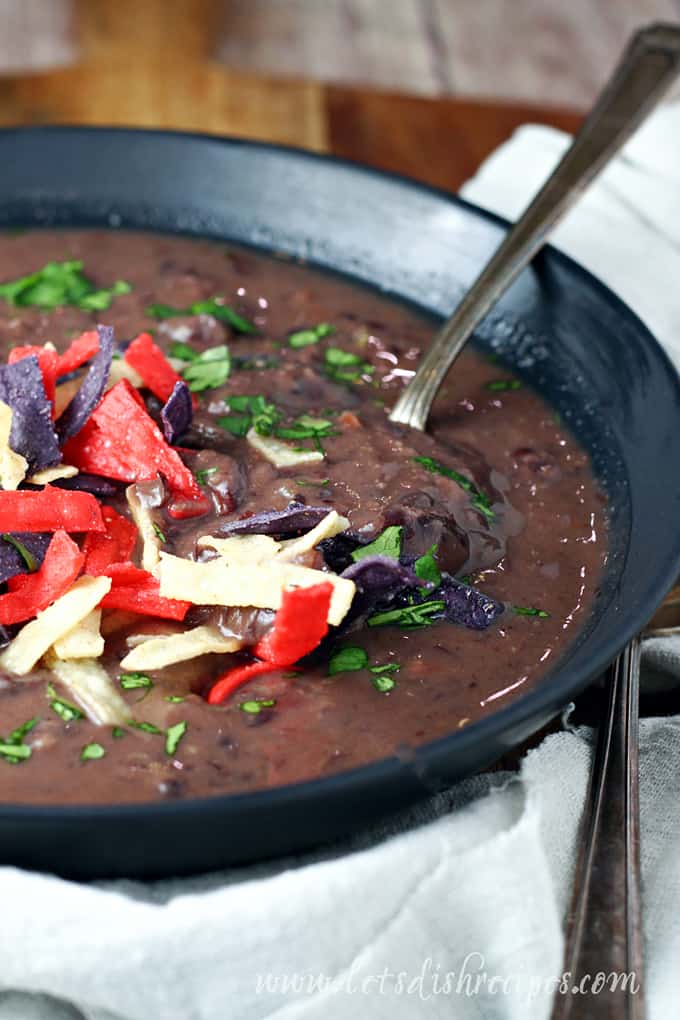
pixel 255 707
pixel 174 699
pixel 306 427
pixel 347 660
pixel 58 284
pixel 502 385
pixel 182 351
pixel 145 727
pixel 13 750
pixel 426 567
pixel 26 555
pixel 66 711
pixel 91 752
pixel 310 482
pixel 15 753
pixel 133 681
pixel 383 683
pixel 531 611
pixel 343 366
pixel 480 501
pixel 208 370
pixel 258 362
pixel 214 306
pixel 306 337
pixel 251 412
pixel 158 530
pixel 17 735
pixel 117 732
pixel 409 617
pixel 203 476
pixel 389 667
pixel 173 736
pixel 388 543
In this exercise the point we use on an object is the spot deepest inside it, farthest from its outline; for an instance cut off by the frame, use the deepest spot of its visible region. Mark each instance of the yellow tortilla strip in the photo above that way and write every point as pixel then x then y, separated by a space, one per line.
pixel 90 685
pixel 51 474
pixel 217 583
pixel 141 515
pixel 281 454
pixel 162 651
pixel 13 466
pixel 84 641
pixel 263 548
pixel 120 369
pixel 34 639
pixel 242 548
pixel 331 525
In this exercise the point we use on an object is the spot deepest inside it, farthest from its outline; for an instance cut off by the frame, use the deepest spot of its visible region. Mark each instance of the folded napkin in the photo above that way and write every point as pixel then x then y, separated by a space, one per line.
pixel 453 910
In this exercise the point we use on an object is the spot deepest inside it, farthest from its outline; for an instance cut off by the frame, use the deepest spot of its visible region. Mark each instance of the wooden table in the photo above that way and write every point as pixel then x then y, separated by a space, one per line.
pixel 440 141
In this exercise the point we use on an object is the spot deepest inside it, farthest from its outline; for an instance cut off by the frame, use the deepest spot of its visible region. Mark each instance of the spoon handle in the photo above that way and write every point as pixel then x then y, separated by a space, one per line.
pixel 646 70
pixel 604 929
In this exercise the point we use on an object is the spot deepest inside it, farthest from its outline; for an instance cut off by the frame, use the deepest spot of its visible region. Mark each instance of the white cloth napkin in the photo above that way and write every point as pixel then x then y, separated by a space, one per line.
pixel 458 912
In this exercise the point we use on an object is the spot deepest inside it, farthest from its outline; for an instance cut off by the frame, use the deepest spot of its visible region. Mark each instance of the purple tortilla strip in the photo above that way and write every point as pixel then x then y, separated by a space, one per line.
pixel 294 520
pixel 32 434
pixel 466 605
pixel 380 577
pixel 11 560
pixel 91 390
pixel 177 412
pixel 93 484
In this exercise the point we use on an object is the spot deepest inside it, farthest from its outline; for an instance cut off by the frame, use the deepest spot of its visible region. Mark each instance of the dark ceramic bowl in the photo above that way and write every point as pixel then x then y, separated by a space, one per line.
pixel 563 331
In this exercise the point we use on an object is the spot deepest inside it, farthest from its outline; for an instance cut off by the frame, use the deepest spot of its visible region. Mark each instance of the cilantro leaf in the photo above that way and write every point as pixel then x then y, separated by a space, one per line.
pixel 91 752
pixel 502 385
pixel 173 736
pixel 183 351
pixel 251 412
pixel 306 337
pixel 204 474
pixel 208 370
pixel 145 727
pixel 214 306
pixel 66 711
pixel 531 611
pixel 480 501
pixel 58 284
pixel 133 681
pixel 409 617
pixel 388 543
pixel 26 555
pixel 383 683
pixel 426 567
pixel 343 366
pixel 254 707
pixel 15 753
pixel 347 660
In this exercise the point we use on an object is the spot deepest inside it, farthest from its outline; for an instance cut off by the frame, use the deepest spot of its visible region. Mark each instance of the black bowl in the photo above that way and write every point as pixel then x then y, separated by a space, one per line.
pixel 562 330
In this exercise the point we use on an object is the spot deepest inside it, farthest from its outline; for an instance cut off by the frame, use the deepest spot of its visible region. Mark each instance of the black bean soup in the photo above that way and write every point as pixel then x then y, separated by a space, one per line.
pixel 497 499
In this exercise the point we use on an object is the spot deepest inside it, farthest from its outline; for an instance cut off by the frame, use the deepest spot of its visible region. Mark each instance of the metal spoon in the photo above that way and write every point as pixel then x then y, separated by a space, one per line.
pixel 646 70
pixel 604 923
